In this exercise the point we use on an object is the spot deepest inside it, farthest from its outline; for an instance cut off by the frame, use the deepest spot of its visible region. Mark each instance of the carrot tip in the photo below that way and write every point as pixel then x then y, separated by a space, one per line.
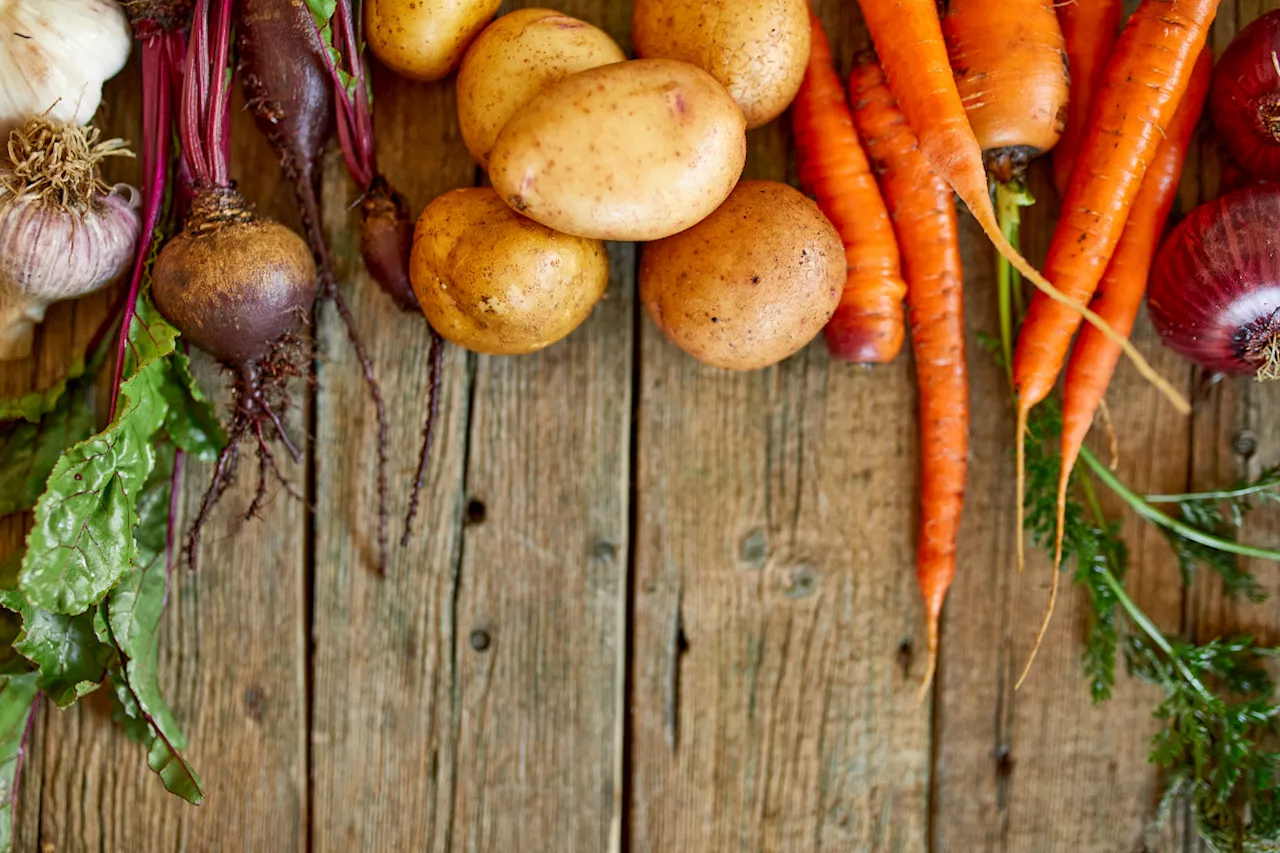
pixel 1021 481
pixel 931 664
pixel 1044 627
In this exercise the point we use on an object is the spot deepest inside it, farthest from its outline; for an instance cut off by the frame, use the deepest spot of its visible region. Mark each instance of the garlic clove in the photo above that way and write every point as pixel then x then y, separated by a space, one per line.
pixel 18 320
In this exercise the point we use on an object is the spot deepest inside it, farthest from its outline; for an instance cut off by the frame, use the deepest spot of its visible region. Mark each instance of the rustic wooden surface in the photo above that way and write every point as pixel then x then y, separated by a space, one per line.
pixel 649 606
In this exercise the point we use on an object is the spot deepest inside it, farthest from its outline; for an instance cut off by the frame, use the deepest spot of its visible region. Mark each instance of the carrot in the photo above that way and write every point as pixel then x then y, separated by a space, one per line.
pixel 1089 28
pixel 924 217
pixel 1144 82
pixel 1119 295
pixel 908 37
pixel 1008 59
pixel 1010 69
pixel 867 327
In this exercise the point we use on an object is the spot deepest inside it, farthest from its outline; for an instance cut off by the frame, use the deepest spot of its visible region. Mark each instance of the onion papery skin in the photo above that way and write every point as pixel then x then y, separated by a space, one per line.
pixel 1214 294
pixel 49 253
pixel 1245 97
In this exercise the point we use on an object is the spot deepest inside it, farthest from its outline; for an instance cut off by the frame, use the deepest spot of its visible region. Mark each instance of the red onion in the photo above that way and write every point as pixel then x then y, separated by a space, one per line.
pixel 1214 294
pixel 1245 97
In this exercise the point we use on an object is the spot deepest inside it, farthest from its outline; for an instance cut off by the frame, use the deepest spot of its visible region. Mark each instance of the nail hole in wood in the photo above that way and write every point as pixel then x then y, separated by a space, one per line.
pixel 475 511
pixel 1245 443
pixel 906 656
pixel 1004 761
pixel 479 640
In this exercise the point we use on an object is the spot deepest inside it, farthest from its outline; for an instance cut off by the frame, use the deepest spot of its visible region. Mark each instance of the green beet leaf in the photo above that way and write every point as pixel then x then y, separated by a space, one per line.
pixel 82 538
pixel 71 660
pixel 133 613
pixel 192 422
pixel 17 699
pixel 30 447
pixel 34 405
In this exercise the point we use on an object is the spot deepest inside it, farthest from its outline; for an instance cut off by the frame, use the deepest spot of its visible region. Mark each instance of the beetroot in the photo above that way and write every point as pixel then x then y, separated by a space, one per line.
pixel 235 285
pixel 386 235
pixel 284 70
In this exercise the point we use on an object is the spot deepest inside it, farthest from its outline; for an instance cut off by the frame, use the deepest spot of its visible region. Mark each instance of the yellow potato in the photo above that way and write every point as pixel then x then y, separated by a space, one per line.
pixel 751 284
pixel 636 150
pixel 424 39
pixel 492 281
pixel 515 58
pixel 757 48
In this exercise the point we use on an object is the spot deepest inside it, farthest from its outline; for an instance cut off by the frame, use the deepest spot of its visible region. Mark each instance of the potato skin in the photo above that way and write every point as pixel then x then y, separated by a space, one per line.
pixel 424 39
pixel 636 150
pixel 495 282
pixel 757 49
pixel 751 284
pixel 515 58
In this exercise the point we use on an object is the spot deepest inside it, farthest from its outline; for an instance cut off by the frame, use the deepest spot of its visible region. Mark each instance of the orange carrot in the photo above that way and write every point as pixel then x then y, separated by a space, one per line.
pixel 1119 296
pixel 1089 28
pixel 868 326
pixel 908 37
pixel 924 217
pixel 1144 82
pixel 1007 56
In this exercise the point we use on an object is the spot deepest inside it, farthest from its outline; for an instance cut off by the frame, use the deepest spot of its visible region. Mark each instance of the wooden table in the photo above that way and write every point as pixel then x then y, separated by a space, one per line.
pixel 651 606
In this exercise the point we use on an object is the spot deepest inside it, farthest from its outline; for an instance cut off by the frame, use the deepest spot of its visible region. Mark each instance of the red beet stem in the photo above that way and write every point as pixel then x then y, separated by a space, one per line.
pixel 355 117
pixel 205 123
pixel 162 54
pixel 428 434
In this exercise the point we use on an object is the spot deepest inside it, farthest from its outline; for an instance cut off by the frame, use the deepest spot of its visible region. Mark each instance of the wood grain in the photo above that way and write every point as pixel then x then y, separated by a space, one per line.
pixel 472 700
pixel 776 621
pixel 383 660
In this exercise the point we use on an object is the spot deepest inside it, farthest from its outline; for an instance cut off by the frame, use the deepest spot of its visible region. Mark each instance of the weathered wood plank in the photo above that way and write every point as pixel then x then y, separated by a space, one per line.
pixel 776 619
pixel 232 658
pixel 1042 769
pixel 383 660
pixel 494 652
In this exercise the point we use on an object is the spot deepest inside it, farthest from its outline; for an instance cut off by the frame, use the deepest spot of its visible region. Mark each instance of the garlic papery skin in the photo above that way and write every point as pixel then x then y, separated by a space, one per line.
pixel 48 254
pixel 63 232
pixel 55 56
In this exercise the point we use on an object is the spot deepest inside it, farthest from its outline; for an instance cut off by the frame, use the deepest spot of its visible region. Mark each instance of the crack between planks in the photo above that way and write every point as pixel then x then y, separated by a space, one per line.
pixel 455 687
pixel 625 736
pixel 309 595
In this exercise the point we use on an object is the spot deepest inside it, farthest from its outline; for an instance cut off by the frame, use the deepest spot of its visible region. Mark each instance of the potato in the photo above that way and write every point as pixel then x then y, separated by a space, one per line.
pixel 515 58
pixel 492 281
pixel 757 48
pixel 631 151
pixel 424 39
pixel 751 284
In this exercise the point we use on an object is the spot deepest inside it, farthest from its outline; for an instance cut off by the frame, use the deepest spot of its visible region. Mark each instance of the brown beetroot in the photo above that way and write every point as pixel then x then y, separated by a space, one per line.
pixel 386 234
pixel 287 85
pixel 237 287
pixel 233 283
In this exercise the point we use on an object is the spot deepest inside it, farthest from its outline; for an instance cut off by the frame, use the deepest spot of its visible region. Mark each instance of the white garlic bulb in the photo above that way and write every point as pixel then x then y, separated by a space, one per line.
pixel 63 232
pixel 55 56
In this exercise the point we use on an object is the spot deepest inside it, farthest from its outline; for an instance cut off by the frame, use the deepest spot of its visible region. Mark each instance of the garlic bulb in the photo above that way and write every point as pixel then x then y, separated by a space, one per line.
pixel 55 56
pixel 63 232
